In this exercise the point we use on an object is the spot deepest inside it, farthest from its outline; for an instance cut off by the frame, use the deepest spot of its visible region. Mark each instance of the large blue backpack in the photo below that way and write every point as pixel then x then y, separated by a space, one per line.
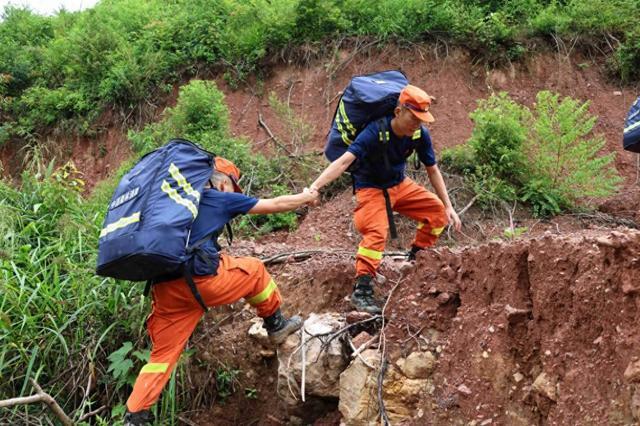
pixel 365 99
pixel 631 136
pixel 146 230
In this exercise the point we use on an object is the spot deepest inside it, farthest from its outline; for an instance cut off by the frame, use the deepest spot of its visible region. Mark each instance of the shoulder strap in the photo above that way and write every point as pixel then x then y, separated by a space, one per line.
pixel 383 137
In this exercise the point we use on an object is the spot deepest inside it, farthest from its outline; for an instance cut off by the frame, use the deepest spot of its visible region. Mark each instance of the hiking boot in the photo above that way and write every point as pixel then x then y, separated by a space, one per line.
pixel 139 418
pixel 362 297
pixel 411 255
pixel 279 328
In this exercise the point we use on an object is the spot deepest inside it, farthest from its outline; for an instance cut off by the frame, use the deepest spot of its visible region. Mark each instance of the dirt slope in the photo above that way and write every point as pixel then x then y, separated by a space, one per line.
pixel 497 316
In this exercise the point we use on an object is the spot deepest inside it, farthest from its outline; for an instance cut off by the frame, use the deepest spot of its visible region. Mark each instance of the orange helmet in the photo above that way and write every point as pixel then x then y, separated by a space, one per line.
pixel 228 168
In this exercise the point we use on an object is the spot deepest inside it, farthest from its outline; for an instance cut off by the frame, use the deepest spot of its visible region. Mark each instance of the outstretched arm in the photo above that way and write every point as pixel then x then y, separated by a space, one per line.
pixel 284 203
pixel 435 177
pixel 332 171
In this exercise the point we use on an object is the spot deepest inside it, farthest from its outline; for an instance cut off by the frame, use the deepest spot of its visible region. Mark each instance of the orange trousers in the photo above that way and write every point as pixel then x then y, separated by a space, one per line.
pixel 175 314
pixel 407 198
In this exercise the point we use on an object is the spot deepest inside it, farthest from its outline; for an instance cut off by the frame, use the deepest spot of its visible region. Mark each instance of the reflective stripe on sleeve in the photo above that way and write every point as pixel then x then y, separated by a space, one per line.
pixel 264 294
pixel 371 254
pixel 155 367
pixel 120 223
pixel 416 134
pixel 420 225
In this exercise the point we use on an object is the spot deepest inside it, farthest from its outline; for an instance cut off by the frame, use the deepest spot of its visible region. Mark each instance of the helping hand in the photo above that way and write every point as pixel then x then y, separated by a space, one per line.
pixel 454 220
pixel 313 196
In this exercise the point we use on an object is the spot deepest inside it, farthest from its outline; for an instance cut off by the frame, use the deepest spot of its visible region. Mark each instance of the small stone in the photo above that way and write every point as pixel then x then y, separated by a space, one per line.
pixel 443 298
pixel 632 373
pixel 485 354
pixel 598 341
pixel 617 93
pixel 380 279
pixel 463 389
pixel 486 422
pixel 420 413
pixel 547 352
pixel 267 353
pixel 438 349
pixel 545 386
pixel 635 405
pixel 491 329
pixel 361 339
pixel 356 316
pixel 518 377
pixel 418 365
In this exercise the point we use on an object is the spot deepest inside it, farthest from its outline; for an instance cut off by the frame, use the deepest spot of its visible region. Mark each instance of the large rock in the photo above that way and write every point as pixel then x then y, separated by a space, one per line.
pixel 359 393
pixel 323 366
pixel 546 386
pixel 358 390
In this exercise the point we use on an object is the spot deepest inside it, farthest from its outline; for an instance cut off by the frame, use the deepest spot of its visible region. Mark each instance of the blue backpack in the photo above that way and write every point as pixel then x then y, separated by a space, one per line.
pixel 146 230
pixel 631 135
pixel 366 98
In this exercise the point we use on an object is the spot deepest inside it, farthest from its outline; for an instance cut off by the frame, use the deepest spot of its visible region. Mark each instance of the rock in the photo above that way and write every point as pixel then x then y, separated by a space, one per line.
pixel 443 298
pixel 356 316
pixel 359 387
pixel 517 377
pixel 257 332
pixel 267 353
pixel 418 365
pixel 463 389
pixel 617 93
pixel 635 404
pixel 632 373
pixel 380 279
pixel 545 386
pixel 361 339
pixel 322 368
pixel 358 384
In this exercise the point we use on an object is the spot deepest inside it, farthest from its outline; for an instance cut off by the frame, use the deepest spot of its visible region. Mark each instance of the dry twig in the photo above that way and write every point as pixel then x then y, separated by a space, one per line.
pixel 273 137
pixel 40 396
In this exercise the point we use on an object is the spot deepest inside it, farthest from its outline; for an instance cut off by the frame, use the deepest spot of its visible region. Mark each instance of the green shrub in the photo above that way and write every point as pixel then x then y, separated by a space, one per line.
pixel 565 160
pixel 626 60
pixel 547 157
pixel 501 129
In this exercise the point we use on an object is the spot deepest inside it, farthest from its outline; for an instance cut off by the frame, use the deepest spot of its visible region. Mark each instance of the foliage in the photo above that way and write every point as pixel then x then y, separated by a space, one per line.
pixel 59 321
pixel 200 115
pixel 547 157
pixel 64 70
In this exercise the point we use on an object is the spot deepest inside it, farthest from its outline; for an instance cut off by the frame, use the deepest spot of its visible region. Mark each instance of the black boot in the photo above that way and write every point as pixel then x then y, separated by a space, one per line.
pixel 362 297
pixel 139 418
pixel 411 255
pixel 279 328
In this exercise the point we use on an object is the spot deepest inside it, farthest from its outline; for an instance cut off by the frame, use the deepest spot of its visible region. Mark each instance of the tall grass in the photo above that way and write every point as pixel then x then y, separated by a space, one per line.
pixel 58 320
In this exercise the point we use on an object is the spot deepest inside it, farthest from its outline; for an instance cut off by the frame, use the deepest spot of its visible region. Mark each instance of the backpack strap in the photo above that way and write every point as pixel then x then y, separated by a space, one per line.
pixel 383 137
pixel 196 250
pixel 383 134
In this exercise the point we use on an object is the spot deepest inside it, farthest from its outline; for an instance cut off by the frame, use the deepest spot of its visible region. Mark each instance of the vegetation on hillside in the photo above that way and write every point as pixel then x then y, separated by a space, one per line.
pixel 65 70
pixel 546 157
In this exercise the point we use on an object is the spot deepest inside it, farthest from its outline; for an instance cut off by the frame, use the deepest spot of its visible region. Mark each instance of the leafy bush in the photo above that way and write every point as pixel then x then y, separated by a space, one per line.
pixel 200 115
pixel 121 51
pixel 546 157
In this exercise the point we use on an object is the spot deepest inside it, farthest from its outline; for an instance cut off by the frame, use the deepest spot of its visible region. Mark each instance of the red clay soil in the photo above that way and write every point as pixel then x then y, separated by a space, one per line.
pixel 567 306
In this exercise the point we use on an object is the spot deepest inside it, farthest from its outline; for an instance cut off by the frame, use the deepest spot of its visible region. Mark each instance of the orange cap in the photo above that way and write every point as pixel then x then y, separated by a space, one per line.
pixel 228 168
pixel 418 102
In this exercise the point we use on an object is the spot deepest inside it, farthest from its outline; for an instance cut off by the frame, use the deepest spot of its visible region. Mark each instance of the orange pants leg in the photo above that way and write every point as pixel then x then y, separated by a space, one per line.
pixel 414 201
pixel 176 313
pixel 371 221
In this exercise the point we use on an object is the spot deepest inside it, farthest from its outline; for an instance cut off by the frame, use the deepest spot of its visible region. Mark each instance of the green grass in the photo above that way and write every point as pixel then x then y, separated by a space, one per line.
pixel 64 70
